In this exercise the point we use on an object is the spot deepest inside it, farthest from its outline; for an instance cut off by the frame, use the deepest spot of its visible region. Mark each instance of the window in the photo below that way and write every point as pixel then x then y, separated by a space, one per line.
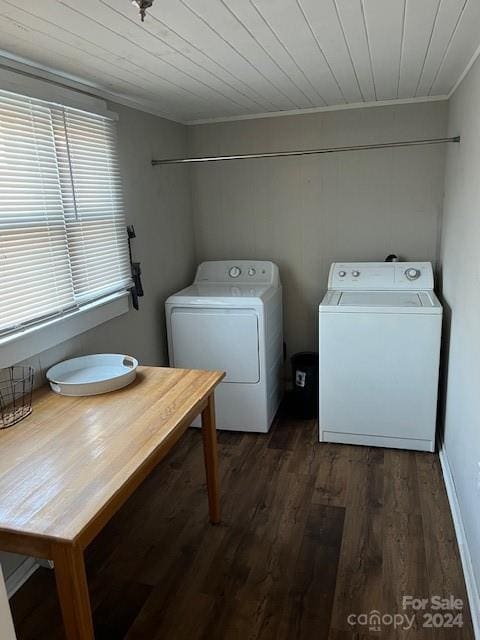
pixel 62 229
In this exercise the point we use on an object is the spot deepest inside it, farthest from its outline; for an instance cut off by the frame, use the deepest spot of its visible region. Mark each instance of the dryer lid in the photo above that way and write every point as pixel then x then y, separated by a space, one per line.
pixel 214 294
pixel 225 291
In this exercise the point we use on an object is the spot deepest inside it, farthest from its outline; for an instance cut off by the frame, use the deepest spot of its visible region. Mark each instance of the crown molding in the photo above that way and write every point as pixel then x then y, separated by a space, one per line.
pixel 335 107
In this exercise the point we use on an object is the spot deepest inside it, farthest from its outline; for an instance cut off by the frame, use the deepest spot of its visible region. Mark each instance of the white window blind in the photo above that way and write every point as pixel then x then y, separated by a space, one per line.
pixel 35 276
pixel 62 228
pixel 92 197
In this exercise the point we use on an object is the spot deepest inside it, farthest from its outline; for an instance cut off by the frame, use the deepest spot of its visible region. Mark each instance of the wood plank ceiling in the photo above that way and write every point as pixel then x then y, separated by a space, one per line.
pixel 205 59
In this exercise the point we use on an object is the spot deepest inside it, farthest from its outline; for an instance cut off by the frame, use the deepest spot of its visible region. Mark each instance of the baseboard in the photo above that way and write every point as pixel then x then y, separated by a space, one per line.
pixel 470 582
pixel 21 574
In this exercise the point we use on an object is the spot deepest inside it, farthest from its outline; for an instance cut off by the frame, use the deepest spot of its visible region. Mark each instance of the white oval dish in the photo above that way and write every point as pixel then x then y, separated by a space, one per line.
pixel 92 375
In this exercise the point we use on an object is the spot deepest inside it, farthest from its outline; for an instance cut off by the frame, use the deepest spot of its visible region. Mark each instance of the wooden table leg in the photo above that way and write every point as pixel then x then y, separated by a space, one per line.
pixel 72 591
pixel 209 433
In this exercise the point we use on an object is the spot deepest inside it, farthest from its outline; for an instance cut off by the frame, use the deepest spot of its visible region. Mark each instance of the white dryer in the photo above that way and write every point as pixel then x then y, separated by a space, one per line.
pixel 230 319
pixel 379 348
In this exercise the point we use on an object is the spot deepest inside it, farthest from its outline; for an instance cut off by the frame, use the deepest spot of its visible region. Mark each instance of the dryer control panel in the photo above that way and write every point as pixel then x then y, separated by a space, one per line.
pixel 238 272
pixel 381 276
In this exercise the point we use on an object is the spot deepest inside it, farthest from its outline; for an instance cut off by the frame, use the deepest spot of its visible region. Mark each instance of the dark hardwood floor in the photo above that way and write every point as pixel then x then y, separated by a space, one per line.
pixel 311 533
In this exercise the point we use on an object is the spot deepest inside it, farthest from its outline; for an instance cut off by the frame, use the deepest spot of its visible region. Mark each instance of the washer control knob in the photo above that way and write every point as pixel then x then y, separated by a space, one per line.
pixel 234 272
pixel 342 274
pixel 252 271
pixel 355 274
pixel 412 274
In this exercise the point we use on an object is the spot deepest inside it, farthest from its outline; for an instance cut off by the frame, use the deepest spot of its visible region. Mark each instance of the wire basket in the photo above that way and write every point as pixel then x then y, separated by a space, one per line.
pixel 16 385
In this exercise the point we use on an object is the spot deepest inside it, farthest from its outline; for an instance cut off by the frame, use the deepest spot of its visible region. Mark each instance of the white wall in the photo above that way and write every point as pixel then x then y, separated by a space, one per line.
pixel 157 202
pixel 306 212
pixel 460 263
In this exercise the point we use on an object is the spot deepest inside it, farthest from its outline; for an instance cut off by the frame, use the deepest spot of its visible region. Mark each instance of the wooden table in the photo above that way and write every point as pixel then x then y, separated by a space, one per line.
pixel 67 468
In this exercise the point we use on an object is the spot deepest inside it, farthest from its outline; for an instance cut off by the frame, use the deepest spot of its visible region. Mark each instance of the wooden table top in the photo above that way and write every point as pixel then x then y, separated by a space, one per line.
pixel 70 460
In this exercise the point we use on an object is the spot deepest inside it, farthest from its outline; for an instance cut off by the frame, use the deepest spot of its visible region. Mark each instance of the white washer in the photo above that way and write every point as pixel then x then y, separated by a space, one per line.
pixel 379 348
pixel 230 319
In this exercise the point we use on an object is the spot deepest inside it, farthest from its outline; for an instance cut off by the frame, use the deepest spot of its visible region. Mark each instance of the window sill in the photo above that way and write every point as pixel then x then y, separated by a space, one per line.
pixel 29 342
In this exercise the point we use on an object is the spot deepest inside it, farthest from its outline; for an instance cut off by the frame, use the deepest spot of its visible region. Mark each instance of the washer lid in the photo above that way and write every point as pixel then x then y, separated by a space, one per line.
pixel 381 302
pixel 380 299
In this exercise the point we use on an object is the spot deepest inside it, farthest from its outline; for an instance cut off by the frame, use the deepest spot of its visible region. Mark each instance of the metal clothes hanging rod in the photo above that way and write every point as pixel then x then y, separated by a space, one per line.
pixel 307 152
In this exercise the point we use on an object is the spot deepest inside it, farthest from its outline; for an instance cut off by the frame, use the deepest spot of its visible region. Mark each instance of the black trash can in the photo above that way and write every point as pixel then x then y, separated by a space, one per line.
pixel 305 384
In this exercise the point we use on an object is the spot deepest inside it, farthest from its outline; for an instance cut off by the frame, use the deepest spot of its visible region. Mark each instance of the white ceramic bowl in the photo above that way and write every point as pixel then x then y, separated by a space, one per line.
pixel 92 375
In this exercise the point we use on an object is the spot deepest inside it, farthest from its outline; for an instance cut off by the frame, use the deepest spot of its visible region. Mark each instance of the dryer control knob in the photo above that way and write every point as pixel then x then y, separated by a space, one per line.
pixel 234 272
pixel 342 274
pixel 412 274
pixel 355 274
pixel 252 271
